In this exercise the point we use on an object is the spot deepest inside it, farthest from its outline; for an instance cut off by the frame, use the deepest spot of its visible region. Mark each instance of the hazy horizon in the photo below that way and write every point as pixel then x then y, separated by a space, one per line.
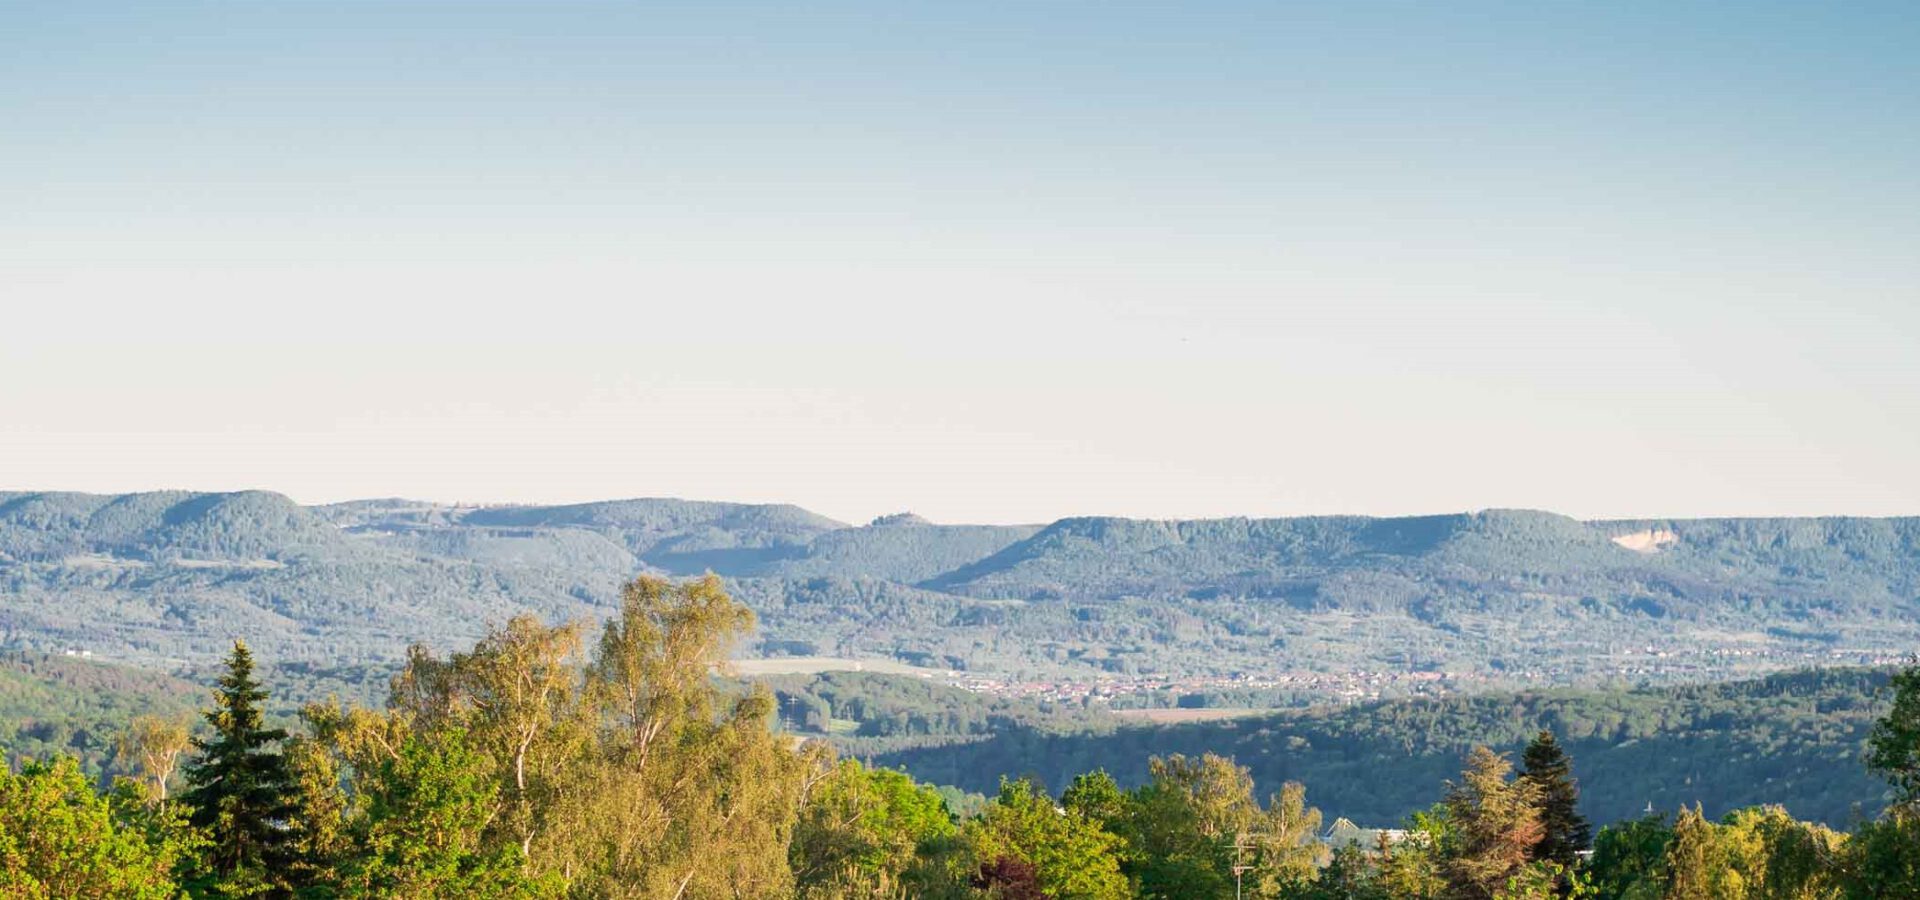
pixel 999 263
pixel 867 517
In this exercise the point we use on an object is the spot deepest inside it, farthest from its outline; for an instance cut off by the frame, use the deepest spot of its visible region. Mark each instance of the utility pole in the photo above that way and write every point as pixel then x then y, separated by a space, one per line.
pixel 1242 842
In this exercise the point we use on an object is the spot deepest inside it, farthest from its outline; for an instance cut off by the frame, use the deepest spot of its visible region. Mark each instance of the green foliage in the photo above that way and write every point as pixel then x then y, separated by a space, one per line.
pixel 1196 825
pixel 241 792
pixel 1494 826
pixel 422 825
pixel 52 705
pixel 889 713
pixel 1098 797
pixel 60 840
pixel 1754 853
pixel 624 774
pixel 1175 851
pixel 1793 739
pixel 1883 858
pixel 1072 856
pixel 863 832
pixel 1629 857
pixel 1564 832
pixel 1893 750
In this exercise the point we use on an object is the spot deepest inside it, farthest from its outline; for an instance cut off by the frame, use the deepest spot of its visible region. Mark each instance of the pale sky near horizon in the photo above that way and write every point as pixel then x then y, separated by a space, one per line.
pixel 987 262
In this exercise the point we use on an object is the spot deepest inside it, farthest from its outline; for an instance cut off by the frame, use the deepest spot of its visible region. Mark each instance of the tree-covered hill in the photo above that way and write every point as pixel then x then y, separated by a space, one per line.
pixel 166 578
pixel 58 704
pixel 1794 738
pixel 1499 557
pixel 866 714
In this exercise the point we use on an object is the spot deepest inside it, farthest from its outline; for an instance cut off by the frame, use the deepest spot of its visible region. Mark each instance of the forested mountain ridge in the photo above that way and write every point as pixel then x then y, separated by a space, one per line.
pixel 168 577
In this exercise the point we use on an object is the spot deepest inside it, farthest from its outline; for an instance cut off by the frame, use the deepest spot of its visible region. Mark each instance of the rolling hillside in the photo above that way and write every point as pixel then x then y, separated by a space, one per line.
pixel 167 578
pixel 1795 738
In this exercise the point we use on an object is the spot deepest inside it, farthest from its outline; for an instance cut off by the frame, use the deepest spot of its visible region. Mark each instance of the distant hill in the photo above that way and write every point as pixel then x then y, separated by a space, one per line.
pixel 59 704
pixel 167 578
pixel 1795 739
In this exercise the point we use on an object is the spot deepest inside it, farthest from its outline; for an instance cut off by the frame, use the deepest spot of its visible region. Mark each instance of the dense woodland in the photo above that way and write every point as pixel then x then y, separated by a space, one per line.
pixel 1792 739
pixel 563 761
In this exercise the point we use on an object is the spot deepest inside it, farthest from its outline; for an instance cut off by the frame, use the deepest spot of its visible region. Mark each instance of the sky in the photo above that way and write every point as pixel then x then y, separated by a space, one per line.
pixel 988 262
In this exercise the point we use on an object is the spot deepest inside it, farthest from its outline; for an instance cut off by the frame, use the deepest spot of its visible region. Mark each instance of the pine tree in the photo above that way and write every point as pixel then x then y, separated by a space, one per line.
pixel 1564 832
pixel 240 791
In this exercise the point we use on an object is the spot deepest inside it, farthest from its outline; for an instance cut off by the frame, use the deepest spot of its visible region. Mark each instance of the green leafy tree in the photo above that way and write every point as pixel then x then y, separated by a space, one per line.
pixel 240 791
pixel 151 747
pixel 1098 797
pixel 422 834
pixel 861 832
pixel 1546 880
pixel 1414 868
pixel 1352 873
pixel 1893 749
pixel 1197 822
pixel 316 829
pixel 1285 851
pixel 1781 858
pixel 1697 864
pixel 699 796
pixel 1170 852
pixel 1563 831
pixel 1883 859
pixel 1190 825
pixel 516 695
pixel 59 840
pixel 1072 857
pixel 629 774
pixel 1629 857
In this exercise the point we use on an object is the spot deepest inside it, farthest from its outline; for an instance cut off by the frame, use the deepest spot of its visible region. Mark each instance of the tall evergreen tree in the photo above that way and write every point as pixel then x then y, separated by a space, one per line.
pixel 240 790
pixel 1564 833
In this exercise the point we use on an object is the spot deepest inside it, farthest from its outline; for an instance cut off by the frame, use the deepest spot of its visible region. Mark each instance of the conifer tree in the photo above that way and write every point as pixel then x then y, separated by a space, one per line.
pixel 240 792
pixel 1564 833
pixel 1494 824
pixel 1694 866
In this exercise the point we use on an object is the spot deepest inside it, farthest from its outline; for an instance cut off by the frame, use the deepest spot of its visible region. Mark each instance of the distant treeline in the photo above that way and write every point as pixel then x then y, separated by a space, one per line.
pixel 1794 739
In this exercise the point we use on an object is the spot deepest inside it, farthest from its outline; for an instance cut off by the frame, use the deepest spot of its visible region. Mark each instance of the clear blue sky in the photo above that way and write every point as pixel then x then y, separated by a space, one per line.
pixel 991 262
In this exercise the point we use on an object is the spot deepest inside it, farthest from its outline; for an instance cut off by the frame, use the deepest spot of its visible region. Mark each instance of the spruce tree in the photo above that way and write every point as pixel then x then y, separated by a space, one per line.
pixel 1564 832
pixel 240 790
